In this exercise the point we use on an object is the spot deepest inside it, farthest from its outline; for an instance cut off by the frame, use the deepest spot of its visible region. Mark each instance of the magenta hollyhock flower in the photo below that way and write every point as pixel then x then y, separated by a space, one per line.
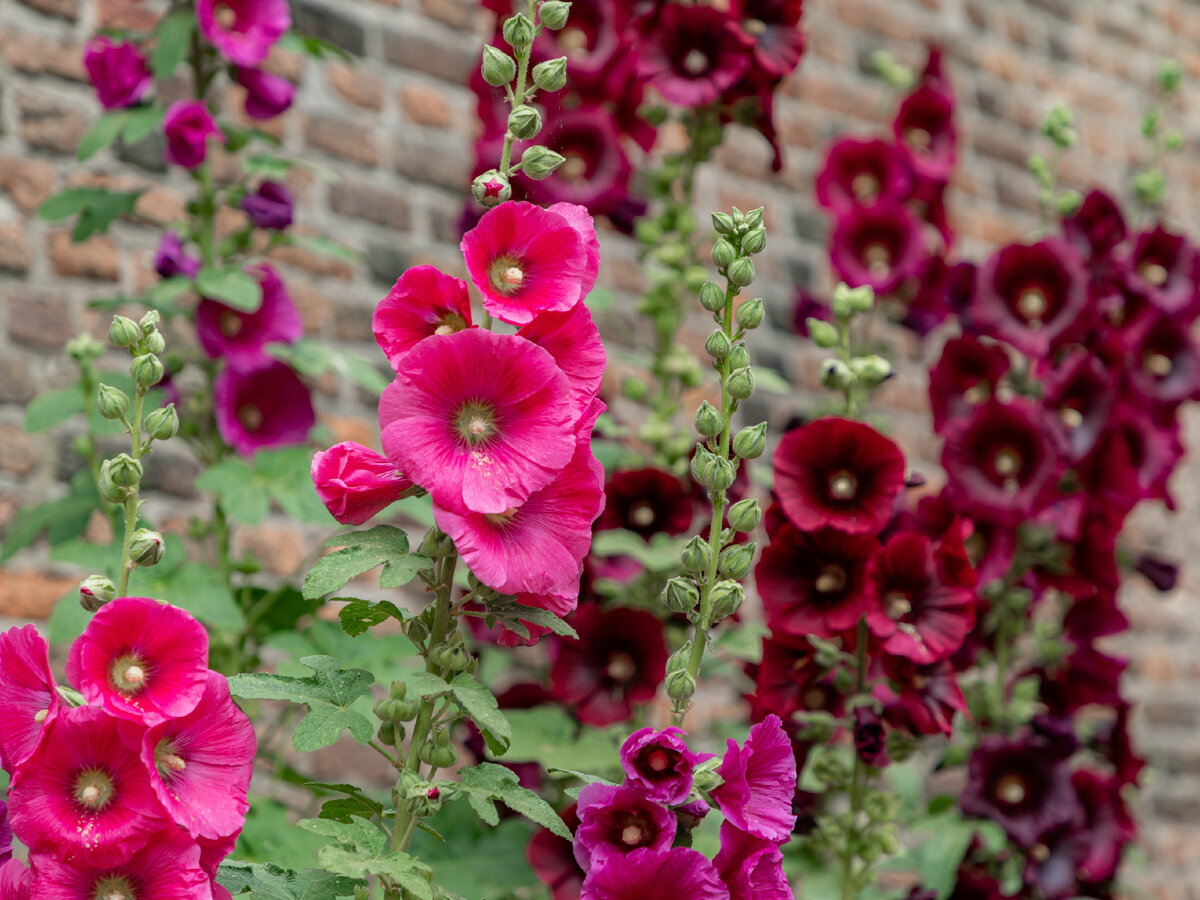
pixel 355 483
pixel 214 852
pixel 87 798
pixel 239 337
pixel 187 127
pixel 140 659
pixel 118 72
pixel 679 873
pixel 774 28
pixel 1166 364
pixel 860 172
pixel 243 30
pixel 267 406
pixel 267 95
pixel 751 867
pixel 480 420
pixel 171 259
pixel 525 259
pixel 168 868
pixel 924 129
pixel 691 55
pixel 966 374
pixel 759 782
pixel 422 302
pixel 881 245
pixel 840 474
pixel 1165 268
pixel 5 834
pixel 30 696
pixel 1082 390
pixel 270 206
pixel 659 764
pixel 647 501
pixel 16 881
pixel 1097 226
pixel 580 219
pixel 619 820
pixel 553 859
pixel 574 341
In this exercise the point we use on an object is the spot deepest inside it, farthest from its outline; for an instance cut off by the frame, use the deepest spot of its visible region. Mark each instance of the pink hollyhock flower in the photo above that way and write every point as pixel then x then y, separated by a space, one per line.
pixel 87 799
pixel 200 763
pixel 480 420
pixel 773 26
pixel 167 869
pixel 118 72
pixel 5 834
pixel 861 172
pixel 618 820
pixel 553 859
pixel 30 697
pixel 270 206
pixel 659 764
pixel 840 474
pixel 525 259
pixel 171 259
pixel 759 781
pixel 141 660
pixel 574 341
pixel 187 127
pixel 239 337
pixel 691 55
pixel 16 881
pixel 924 129
pixel 214 852
pixel 580 219
pixel 423 302
pixel 267 95
pixel 1165 268
pixel 355 483
pixel 882 246
pixel 679 873
pixel 267 406
pixel 751 867
pixel 243 30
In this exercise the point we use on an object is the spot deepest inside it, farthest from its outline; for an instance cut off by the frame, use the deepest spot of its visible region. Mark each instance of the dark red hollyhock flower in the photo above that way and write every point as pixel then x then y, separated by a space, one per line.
pixel 1022 785
pixel 881 245
pixel 553 859
pixel 1031 295
pixel 1165 365
pixel 1003 461
pixel 965 375
pixel 870 738
pixel 1097 226
pixel 1111 740
pixel 975 885
pixel 617 820
pixel 928 201
pixel 1086 676
pixel 1082 390
pixel 751 102
pixel 595 43
pixel 774 28
pixel 1132 461
pixel 647 501
pixel 861 172
pixel 691 54
pixel 1165 267
pixel 924 129
pixel 788 680
pixel 922 305
pixel 814 583
pixel 921 699
pixel 619 660
pixel 838 473
pixel 924 602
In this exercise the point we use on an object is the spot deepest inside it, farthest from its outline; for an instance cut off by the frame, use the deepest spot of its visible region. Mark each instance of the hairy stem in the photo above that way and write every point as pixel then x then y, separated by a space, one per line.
pixel 132 503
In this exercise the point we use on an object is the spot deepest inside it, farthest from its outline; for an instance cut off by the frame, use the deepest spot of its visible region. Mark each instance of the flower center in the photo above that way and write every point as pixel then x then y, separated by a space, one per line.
pixel 865 186
pixel 128 673
pixel 877 258
pixel 40 715
pixel 621 667
pixel 632 835
pixel 642 515
pixel 897 605
pixel 918 139
pixel 1006 461
pixel 831 580
pixel 251 417
pixel 696 62
pixel 1011 789
pixel 450 323
pixel 476 423
pixel 502 518
pixel 230 323
pixel 167 760
pixel 755 27
pixel 1153 273
pixel 843 486
pixel 506 275
pixel 113 889
pixel 94 790
pixel 225 15
pixel 658 761
pixel 1158 364
pixel 1032 303
pixel 574 169
pixel 1071 417
pixel 573 41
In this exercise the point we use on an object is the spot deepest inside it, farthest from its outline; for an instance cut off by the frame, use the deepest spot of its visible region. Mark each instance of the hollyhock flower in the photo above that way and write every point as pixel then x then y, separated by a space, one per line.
pixel 480 420
pixel 1161 573
pixel 239 337
pixel 1111 741
pixel 580 219
pixel 171 260
pixel 270 206
pixel 870 739
pixel 679 873
pixel 1031 296
pixel 88 798
pixel 965 375
pixel 1085 677
pixel 355 483
pixel 691 55
pixel 1132 460
pixel 973 885
pixel 574 341
pixel 1097 226
pixel 660 764
pixel 751 867
pixel 619 660
pixel 422 302
pixel 751 102
pixel 929 696
pixel 167 869
pixel 619 820
pixel 788 680
pixel 774 28
pixel 807 306
pixel 187 127
pixel 1166 364
pixel 16 881
pixel 881 246
pixel 924 129
pixel 30 696
pixel 267 406
pixel 647 502
pixel 759 781
pixel 813 583
pixel 861 172
pixel 118 72
pixel 140 659
pixel 840 474
pixel 5 834
pixel 1020 784
pixel 214 852
pixel 594 43
pixel 553 859
pixel 243 30
pixel 525 259
pixel 1165 267
pixel 267 95
pixel 1082 391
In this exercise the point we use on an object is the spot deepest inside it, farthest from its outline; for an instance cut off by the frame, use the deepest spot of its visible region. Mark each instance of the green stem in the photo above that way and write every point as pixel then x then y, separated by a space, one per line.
pixel 858 778
pixel 518 97
pixel 87 383
pixel 132 504
pixel 205 236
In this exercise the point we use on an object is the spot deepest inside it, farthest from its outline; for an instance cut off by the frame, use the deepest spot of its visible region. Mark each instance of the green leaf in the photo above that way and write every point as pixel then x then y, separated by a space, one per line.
pixel 772 382
pixel 232 287
pixel 511 614
pixel 313 46
pixel 241 494
pixel 195 587
pixel 481 861
pixel 362 551
pixel 49 409
pixel 425 684
pixel 358 616
pixel 551 737
pixel 100 135
pixel 276 168
pixel 69 202
pixel 313 358
pixel 97 208
pixel 62 519
pixel 354 803
pixel 287 475
pixel 271 882
pixel 141 123
pixel 662 554
pixel 357 854
pixel 478 703
pixel 328 694
pixel 173 36
pixel 488 781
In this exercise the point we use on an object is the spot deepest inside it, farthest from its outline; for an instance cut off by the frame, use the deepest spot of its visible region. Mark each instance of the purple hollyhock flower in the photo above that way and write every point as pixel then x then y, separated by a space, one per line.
pixel 1082 390
pixel 1165 368
pixel 267 95
pixel 267 406
pixel 929 696
pixel 1161 573
pixel 680 874
pixel 171 259
pixel 269 207
pixel 861 172
pixel 965 375
pixel 924 129
pixel 239 337
pixel 118 72
pixel 1165 268
pixel 751 867
pixel 618 820
pixel 759 782
pixel 881 245
pixel 243 30
pixel 691 55
pixel 773 27
pixel 187 126
pixel 660 764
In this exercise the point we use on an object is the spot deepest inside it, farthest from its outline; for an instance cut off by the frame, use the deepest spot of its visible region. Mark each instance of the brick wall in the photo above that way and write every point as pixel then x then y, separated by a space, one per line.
pixel 397 127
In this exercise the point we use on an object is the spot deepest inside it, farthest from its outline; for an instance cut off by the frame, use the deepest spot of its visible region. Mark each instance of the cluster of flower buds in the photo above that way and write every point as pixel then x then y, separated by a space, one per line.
pixel 851 374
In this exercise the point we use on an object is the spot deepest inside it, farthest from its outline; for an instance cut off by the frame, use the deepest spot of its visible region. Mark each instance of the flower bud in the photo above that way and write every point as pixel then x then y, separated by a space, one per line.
pixel 154 342
pixel 391 734
pixel 745 514
pixel 750 314
pixel 124 332
pixel 739 357
pixel 754 241
pixel 819 726
pixel 871 370
pixel 735 561
pixel 723 253
pixel 712 297
pixel 741 383
pixel 112 402
pixel 741 271
pixel 498 67
pixel 539 162
pixel 718 344
pixel 680 686
pixel 438 753
pixel 491 188
pixel 109 489
pixel 823 334
pixel 847 300
pixel 518 31
pixel 95 591
pixel 709 421
pixel 749 443
pixel 524 122
pixel 694 278
pixel 84 347
pixel 836 374
pixel 147 370
pixel 124 470
pixel 680 596
pixel 829 769
pixel 725 598
pixel 435 544
pixel 551 75
pixel 416 631
pixel 146 547
pixel 634 388
pixel 701 465
pixel 723 223
pixel 149 322
pixel 900 746
pixel 162 424
pixel 697 555
pixel 553 14
pixel 722 474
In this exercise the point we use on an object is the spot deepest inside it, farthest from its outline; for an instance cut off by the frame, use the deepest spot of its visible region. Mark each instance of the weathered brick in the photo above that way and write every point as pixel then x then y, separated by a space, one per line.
pixel 27 181
pixel 15 256
pixel 427 161
pixel 315 263
pixel 34 54
pixel 434 53
pixel 357 85
pixel 39 318
pixel 426 105
pixel 64 9
pixel 29 594
pixel 48 124
pixel 334 27
pixel 161 204
pixel 16 380
pixel 341 138
pixel 123 15
pixel 95 258
pixel 363 200
pixel 19 453
pixel 464 14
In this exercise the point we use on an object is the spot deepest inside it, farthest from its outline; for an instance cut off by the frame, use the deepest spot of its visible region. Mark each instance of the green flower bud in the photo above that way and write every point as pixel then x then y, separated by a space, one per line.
pixel 524 122
pixel 162 424
pixel 146 547
pixel 739 357
pixel 385 709
pixel 95 591
pixel 391 734
pixel 112 402
pixel 701 465
pixel 709 421
pixel 124 332
pixel 837 375
pixel 154 342
pixel 823 334
pixel 655 432
pixel 735 561
pixel 750 314
pixel 712 297
pixel 741 383
pixel 871 370
pixel 697 555
pixel 109 489
pixel 819 726
pixel 149 322
pixel 723 253
pixel 147 370
pixel 741 271
pixel 83 348
pixel 124 470
pixel 416 631
pixel 749 443
pixel 499 68
pixel 745 514
pixel 723 223
pixel 718 344
pixel 551 75
pixel 539 162
pixel 648 232
pixel 680 686
pixel 725 599
pixel 680 596
pixel 1067 202
pixel 694 278
pixel 900 746
pixel 553 14
pixel 1170 75
pixel 455 658
pixel 754 241
pixel 438 752
pixel 848 301
pixel 722 474
pixel 881 807
pixel 491 188
pixel 829 769
pixel 518 31
pixel 398 690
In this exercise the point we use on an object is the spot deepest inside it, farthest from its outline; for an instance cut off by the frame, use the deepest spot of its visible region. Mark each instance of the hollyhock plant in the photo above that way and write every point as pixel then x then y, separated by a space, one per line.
pixel 1166 369
pixel 691 55
pixel 171 259
pixel 759 781
pixel 30 697
pixel 553 859
pixel 679 873
pixel 1165 268
pixel 1082 390
pixel 141 659
pixel 574 341
pixel 267 95
pixel 167 869
pixel 861 173
pixel 269 207
pixel 187 127
pixel 240 337
pixel 243 30
pixel 774 28
pixel 660 764
pixel 118 72
pixel 1097 227
pixel 266 406
pixel 647 502
pixel 618 820
pixel 881 245
pixel 924 129
pixel 751 867
pixel 423 302
pixel 355 483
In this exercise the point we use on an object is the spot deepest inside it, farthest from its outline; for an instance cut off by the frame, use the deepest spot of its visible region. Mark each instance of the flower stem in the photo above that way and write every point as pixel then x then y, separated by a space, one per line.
pixel 518 97
pixel 857 778
pixel 132 503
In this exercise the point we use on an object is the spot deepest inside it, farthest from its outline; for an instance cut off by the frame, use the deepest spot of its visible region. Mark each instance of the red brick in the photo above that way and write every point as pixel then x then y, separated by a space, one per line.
pixel 39 318
pixel 27 181
pixel 426 105
pixel 314 263
pixel 464 14
pixel 19 454
pixel 15 256
pixel 35 54
pixel 363 200
pixel 358 86
pixel 64 9
pixel 47 125
pixel 123 15
pixel 160 205
pixel 95 258
pixel 341 138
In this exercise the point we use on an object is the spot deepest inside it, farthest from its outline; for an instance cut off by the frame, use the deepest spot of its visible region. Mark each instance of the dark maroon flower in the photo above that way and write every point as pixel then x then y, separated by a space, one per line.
pixel 268 406
pixel 1082 390
pixel 1111 740
pixel 691 54
pixel 870 739
pixel 1165 365
pixel 1165 267
pixel 1132 461
pixel 660 764
pixel 1086 676
pixel 270 206
pixel 965 375
pixel 267 95
pixel 860 172
pixel 240 337
pixel 788 680
pixel 808 307
pixel 975 885
pixel 925 699
pixel 1097 226
pixel 171 259
pixel 619 820
pixel 774 28
pixel 924 129
pixel 1161 573
pixel 882 246
pixel 647 502
pixel 553 859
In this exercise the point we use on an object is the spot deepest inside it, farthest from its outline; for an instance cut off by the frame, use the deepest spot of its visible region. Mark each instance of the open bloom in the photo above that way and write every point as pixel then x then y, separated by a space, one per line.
pixel 774 27
pixel 267 406
pixel 751 867
pixel 1165 268
pixel 759 782
pixel 270 206
pixel 239 337
pixel 553 859
pixel 679 873
pixel 5 834
pixel 30 696
pixel 691 55
pixel 574 341
pixel 422 302
pixel 659 764
pixel 861 173
pixel 647 502
pixel 924 128
pixel 187 127
pixel 355 483
pixel 966 374
pixel 167 869
pixel 880 245
pixel 619 820
pixel 171 259
pixel 243 30
pixel 267 95
pixel 16 881
pixel 118 72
